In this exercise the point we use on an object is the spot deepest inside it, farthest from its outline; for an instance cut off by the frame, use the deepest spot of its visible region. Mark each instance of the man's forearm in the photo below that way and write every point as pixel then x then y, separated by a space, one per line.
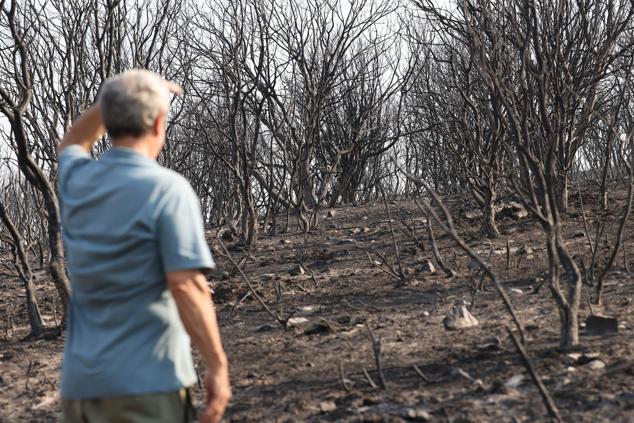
pixel 85 131
pixel 193 299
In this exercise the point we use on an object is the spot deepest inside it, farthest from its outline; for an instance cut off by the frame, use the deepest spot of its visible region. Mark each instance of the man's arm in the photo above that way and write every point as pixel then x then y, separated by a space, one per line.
pixel 85 131
pixel 193 299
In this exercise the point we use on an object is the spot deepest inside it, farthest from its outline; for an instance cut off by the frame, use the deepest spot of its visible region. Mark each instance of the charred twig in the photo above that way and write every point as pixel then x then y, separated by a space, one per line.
pixel 422 375
pixel 28 376
pixel 619 234
pixel 518 262
pixel 55 312
pixel 583 268
pixel 390 269
pixel 346 302
pixel 411 234
pixel 8 324
pixel 369 378
pixel 367 307
pixel 397 255
pixel 434 246
pixel 599 233
pixel 342 378
pixel 376 349
pixel 312 276
pixel 282 321
pixel 508 254
pixel 240 301
pixel 548 400
pixel 385 266
pixel 590 305
pixel 474 289
pixel 483 274
pixel 298 286
pixel 278 291
pixel 585 220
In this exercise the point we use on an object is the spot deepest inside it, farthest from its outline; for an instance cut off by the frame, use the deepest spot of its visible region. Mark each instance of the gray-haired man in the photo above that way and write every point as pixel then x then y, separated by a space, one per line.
pixel 136 250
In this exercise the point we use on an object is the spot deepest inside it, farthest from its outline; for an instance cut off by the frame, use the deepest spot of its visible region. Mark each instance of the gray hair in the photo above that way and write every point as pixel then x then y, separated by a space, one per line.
pixel 131 102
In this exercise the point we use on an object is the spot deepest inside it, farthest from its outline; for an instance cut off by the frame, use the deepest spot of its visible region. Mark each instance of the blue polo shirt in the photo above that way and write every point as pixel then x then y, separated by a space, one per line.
pixel 126 221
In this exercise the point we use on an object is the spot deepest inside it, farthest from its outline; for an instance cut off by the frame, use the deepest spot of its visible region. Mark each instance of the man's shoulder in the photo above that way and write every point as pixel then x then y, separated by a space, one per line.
pixel 170 180
pixel 72 156
pixel 171 186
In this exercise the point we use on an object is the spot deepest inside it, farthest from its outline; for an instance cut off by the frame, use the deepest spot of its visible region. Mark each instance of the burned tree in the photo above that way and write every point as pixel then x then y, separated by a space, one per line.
pixel 549 101
pixel 14 103
pixel 456 106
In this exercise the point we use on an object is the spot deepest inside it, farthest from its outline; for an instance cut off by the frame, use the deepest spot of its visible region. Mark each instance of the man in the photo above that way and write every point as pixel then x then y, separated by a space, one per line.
pixel 136 251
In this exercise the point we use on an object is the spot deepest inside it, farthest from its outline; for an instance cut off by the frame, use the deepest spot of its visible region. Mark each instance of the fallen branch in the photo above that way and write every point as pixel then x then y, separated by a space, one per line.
pixel 422 375
pixel 548 400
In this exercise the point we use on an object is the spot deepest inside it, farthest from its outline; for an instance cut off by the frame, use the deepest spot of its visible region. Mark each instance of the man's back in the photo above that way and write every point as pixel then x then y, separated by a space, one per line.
pixel 127 221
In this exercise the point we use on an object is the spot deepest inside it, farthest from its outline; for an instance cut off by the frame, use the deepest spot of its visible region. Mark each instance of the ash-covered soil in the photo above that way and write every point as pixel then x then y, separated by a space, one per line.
pixel 323 367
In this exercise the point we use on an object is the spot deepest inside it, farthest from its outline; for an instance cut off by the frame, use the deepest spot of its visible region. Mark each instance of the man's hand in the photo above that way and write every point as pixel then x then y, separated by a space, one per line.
pixel 173 87
pixel 218 395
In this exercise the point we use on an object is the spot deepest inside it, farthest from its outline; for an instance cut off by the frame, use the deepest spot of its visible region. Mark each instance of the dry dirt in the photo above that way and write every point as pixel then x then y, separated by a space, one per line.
pixel 298 375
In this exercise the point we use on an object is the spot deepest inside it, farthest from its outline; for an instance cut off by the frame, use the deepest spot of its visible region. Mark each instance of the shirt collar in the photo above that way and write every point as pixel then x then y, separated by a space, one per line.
pixel 127 155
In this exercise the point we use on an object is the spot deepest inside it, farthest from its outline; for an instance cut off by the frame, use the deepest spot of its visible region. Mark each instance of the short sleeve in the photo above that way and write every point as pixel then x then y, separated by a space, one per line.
pixel 69 159
pixel 181 235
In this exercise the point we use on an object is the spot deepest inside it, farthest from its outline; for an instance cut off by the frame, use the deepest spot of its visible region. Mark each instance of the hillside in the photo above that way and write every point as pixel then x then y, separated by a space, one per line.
pixel 315 370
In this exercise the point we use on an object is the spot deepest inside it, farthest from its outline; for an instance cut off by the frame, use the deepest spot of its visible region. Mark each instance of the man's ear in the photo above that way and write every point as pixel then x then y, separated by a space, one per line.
pixel 159 124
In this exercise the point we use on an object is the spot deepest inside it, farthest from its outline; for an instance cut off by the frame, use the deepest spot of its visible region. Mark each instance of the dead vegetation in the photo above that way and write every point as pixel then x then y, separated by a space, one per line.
pixel 421 212
pixel 359 345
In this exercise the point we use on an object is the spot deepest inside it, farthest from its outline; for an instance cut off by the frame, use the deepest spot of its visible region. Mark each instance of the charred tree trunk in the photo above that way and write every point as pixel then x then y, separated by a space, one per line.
pixel 567 298
pixel 304 180
pixel 489 226
pixel 26 275
pixel 570 312
pixel 35 175
pixel 563 192
pixel 250 217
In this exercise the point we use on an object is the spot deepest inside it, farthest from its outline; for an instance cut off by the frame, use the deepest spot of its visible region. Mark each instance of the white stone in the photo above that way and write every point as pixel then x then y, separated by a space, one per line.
pixel 296 321
pixel 327 406
pixel 427 267
pixel 418 415
pixel 307 309
pixel 459 317
pixel 595 365
pixel 514 381
pixel 296 270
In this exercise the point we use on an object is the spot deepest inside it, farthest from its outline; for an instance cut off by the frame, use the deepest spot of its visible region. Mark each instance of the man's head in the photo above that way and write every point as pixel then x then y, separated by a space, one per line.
pixel 134 107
